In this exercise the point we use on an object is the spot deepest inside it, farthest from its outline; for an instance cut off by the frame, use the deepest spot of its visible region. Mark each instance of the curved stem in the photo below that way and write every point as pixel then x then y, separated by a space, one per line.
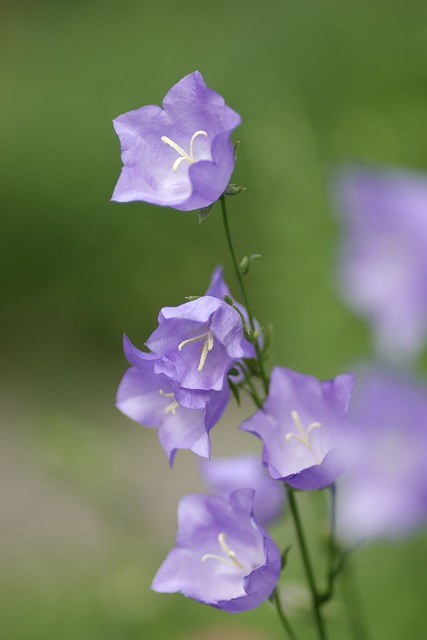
pixel 283 618
pixel 307 566
pixel 243 292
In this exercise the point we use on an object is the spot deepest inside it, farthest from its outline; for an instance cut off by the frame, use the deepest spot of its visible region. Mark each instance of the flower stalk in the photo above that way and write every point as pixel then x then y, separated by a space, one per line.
pixel 239 277
pixel 320 625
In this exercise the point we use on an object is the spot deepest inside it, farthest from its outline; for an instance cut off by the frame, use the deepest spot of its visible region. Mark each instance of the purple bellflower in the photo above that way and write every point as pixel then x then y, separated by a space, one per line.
pixel 184 417
pixel 197 343
pixel 225 475
pixel 383 255
pixel 383 493
pixel 222 556
pixel 301 425
pixel 180 155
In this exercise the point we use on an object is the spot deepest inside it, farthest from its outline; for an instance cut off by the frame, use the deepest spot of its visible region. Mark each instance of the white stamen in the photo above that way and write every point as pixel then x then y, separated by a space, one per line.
pixel 207 346
pixel 189 157
pixel 303 436
pixel 173 406
pixel 229 558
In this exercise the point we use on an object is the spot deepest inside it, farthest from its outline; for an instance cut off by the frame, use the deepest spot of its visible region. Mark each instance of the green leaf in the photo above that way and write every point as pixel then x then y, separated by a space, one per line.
pixel 285 556
pixel 235 391
pixel 233 190
pixel 205 212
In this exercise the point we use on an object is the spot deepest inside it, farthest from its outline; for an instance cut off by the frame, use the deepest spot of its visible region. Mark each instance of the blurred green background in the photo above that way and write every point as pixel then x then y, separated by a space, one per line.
pixel 88 505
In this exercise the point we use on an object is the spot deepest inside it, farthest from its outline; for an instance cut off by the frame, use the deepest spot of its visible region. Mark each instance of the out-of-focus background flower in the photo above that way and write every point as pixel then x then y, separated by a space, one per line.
pixel 88 502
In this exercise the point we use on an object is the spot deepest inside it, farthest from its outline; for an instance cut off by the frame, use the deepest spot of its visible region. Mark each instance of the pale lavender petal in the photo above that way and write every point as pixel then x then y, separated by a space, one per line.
pixel 200 567
pixel 302 421
pixel 197 343
pixel 185 430
pixel 153 139
pixel 218 287
pixel 139 397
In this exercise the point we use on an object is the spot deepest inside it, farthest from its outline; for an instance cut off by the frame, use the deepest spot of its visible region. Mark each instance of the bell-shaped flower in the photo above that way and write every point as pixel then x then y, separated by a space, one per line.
pixel 222 556
pixel 225 475
pixel 184 417
pixel 383 254
pixel 180 155
pixel 197 343
pixel 301 425
pixel 383 493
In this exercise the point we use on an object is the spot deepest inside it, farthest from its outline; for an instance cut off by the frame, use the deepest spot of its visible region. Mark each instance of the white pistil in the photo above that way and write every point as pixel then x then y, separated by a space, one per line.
pixel 189 157
pixel 303 436
pixel 173 406
pixel 208 344
pixel 229 558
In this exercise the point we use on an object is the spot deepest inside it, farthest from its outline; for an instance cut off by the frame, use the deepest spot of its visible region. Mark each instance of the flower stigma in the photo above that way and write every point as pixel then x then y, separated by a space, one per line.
pixel 173 406
pixel 189 157
pixel 303 436
pixel 229 558
pixel 208 344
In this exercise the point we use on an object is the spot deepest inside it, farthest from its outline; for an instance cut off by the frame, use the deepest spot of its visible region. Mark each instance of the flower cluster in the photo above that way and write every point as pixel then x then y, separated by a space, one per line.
pixel 370 452
pixel 181 385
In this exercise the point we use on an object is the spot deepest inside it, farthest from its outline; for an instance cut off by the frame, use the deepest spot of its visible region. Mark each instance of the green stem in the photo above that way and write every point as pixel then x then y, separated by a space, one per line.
pixel 307 566
pixel 332 568
pixel 243 292
pixel 283 618
pixel 252 390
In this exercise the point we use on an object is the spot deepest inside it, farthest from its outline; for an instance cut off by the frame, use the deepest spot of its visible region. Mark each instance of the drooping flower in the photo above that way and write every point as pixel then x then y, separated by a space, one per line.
pixel 197 343
pixel 180 155
pixel 384 490
pixel 222 556
pixel 184 417
pixel 383 257
pixel 301 425
pixel 225 475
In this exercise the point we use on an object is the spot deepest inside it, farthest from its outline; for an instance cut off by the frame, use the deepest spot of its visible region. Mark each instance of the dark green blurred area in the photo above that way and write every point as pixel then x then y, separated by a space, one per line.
pixel 317 83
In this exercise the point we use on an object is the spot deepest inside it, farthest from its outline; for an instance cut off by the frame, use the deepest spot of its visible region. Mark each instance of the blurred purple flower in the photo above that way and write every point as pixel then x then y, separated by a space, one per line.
pixel 384 490
pixel 301 425
pixel 184 417
pixel 222 556
pixel 198 342
pixel 383 254
pixel 181 155
pixel 225 475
